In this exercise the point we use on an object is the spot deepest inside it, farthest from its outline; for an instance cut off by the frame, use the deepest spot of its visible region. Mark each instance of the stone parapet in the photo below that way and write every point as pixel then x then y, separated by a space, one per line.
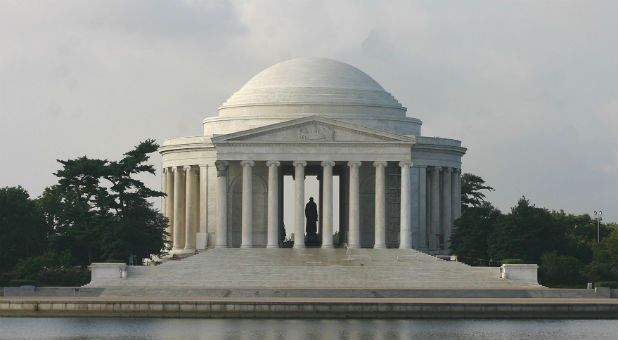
pixel 520 272
pixel 101 272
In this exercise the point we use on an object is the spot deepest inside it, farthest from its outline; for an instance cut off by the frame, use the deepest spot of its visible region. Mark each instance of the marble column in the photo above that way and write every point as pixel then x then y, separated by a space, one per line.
pixel 354 209
pixel 201 238
pixel 422 207
pixel 247 204
pixel 405 238
pixel 190 207
pixel 434 208
pixel 221 232
pixel 164 198
pixel 273 205
pixel 299 199
pixel 327 204
pixel 179 209
pixel 169 201
pixel 456 194
pixel 446 207
pixel 380 205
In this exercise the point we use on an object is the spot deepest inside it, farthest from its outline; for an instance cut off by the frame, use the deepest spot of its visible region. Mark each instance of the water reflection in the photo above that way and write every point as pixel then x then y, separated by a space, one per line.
pixel 163 329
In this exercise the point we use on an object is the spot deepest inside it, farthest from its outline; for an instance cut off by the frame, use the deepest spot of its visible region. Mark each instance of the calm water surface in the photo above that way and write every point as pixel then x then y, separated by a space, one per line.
pixel 138 329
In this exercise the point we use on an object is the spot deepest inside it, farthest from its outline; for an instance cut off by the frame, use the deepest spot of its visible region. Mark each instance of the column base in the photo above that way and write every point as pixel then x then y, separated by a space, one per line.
pixel 182 251
pixel 379 246
pixel 299 246
pixel 201 240
pixel 327 246
pixel 246 246
pixel 353 246
pixel 220 246
pixel 270 246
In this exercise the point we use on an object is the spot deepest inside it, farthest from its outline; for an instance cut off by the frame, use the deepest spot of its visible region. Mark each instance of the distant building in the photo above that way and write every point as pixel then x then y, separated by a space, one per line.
pixel 312 116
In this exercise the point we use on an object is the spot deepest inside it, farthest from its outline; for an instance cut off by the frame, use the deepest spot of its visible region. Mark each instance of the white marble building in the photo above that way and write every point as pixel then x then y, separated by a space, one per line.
pixel 312 116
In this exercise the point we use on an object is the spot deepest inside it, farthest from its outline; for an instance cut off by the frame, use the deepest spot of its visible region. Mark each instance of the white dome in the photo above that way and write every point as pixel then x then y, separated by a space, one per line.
pixel 312 81
pixel 311 87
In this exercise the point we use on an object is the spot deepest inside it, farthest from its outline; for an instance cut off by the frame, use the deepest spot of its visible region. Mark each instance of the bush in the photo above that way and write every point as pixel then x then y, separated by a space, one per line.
pixel 513 261
pixel 599 272
pixel 114 261
pixel 609 284
pixel 67 277
pixel 17 283
pixel 560 270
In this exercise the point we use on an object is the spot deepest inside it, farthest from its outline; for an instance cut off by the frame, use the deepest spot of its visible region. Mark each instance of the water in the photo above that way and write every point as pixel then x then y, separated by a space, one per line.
pixel 138 329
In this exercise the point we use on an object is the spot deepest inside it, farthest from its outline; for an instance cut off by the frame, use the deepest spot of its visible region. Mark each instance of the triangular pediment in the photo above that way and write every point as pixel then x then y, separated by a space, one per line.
pixel 312 129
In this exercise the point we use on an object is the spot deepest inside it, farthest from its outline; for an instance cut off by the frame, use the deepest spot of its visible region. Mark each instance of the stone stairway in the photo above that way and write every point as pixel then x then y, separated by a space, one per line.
pixel 315 268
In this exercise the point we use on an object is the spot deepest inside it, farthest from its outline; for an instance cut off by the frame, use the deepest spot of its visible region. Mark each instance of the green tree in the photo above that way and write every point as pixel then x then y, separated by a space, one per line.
pixel 525 233
pixel 559 270
pixel 471 232
pixel 472 187
pixel 100 210
pixel 22 227
pixel 604 264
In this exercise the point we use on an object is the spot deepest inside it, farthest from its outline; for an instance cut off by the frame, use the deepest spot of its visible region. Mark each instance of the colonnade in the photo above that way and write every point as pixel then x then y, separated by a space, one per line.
pixel 185 204
pixel 426 211
pixel 299 204
pixel 439 205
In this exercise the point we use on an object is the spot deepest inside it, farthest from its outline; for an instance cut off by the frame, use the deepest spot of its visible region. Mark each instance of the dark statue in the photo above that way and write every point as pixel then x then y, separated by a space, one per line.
pixel 311 213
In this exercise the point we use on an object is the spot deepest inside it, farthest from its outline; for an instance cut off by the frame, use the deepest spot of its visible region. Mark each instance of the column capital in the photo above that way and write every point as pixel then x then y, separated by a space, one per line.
pixel 380 163
pixel 448 170
pixel 271 163
pixel 221 168
pixel 299 163
pixel 327 163
pixel 420 166
pixel 174 169
pixel 405 164
pixel 221 165
pixel 247 163
pixel 202 166
pixel 436 168
pixel 354 164
pixel 165 171
pixel 187 167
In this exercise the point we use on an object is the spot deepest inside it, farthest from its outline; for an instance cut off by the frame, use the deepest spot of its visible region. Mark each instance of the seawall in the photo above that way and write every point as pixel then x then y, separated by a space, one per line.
pixel 174 307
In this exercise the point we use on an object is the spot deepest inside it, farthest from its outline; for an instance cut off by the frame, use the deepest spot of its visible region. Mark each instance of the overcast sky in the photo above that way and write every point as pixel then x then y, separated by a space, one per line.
pixel 530 87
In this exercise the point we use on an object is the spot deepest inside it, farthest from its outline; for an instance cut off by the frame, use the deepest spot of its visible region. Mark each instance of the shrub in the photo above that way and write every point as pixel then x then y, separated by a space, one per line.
pixel 609 284
pixel 560 270
pixel 17 283
pixel 513 261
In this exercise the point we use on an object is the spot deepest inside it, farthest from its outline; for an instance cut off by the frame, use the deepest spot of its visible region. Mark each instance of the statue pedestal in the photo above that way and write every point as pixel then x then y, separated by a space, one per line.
pixel 312 240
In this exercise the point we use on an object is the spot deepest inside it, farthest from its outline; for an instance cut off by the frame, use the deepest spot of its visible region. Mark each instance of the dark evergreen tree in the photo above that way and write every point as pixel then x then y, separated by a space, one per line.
pixel 525 233
pixel 471 233
pixel 472 187
pixel 100 210
pixel 22 227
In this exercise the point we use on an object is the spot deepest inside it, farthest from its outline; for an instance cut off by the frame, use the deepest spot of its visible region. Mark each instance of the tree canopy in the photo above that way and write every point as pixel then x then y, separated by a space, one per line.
pixel 563 245
pixel 22 227
pixel 472 187
pixel 98 211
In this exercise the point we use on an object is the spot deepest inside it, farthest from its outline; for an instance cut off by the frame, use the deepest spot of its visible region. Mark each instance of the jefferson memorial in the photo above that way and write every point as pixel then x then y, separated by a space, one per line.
pixel 312 117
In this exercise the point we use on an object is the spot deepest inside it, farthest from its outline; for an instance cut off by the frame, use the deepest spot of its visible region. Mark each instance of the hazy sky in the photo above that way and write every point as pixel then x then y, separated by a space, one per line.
pixel 530 87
